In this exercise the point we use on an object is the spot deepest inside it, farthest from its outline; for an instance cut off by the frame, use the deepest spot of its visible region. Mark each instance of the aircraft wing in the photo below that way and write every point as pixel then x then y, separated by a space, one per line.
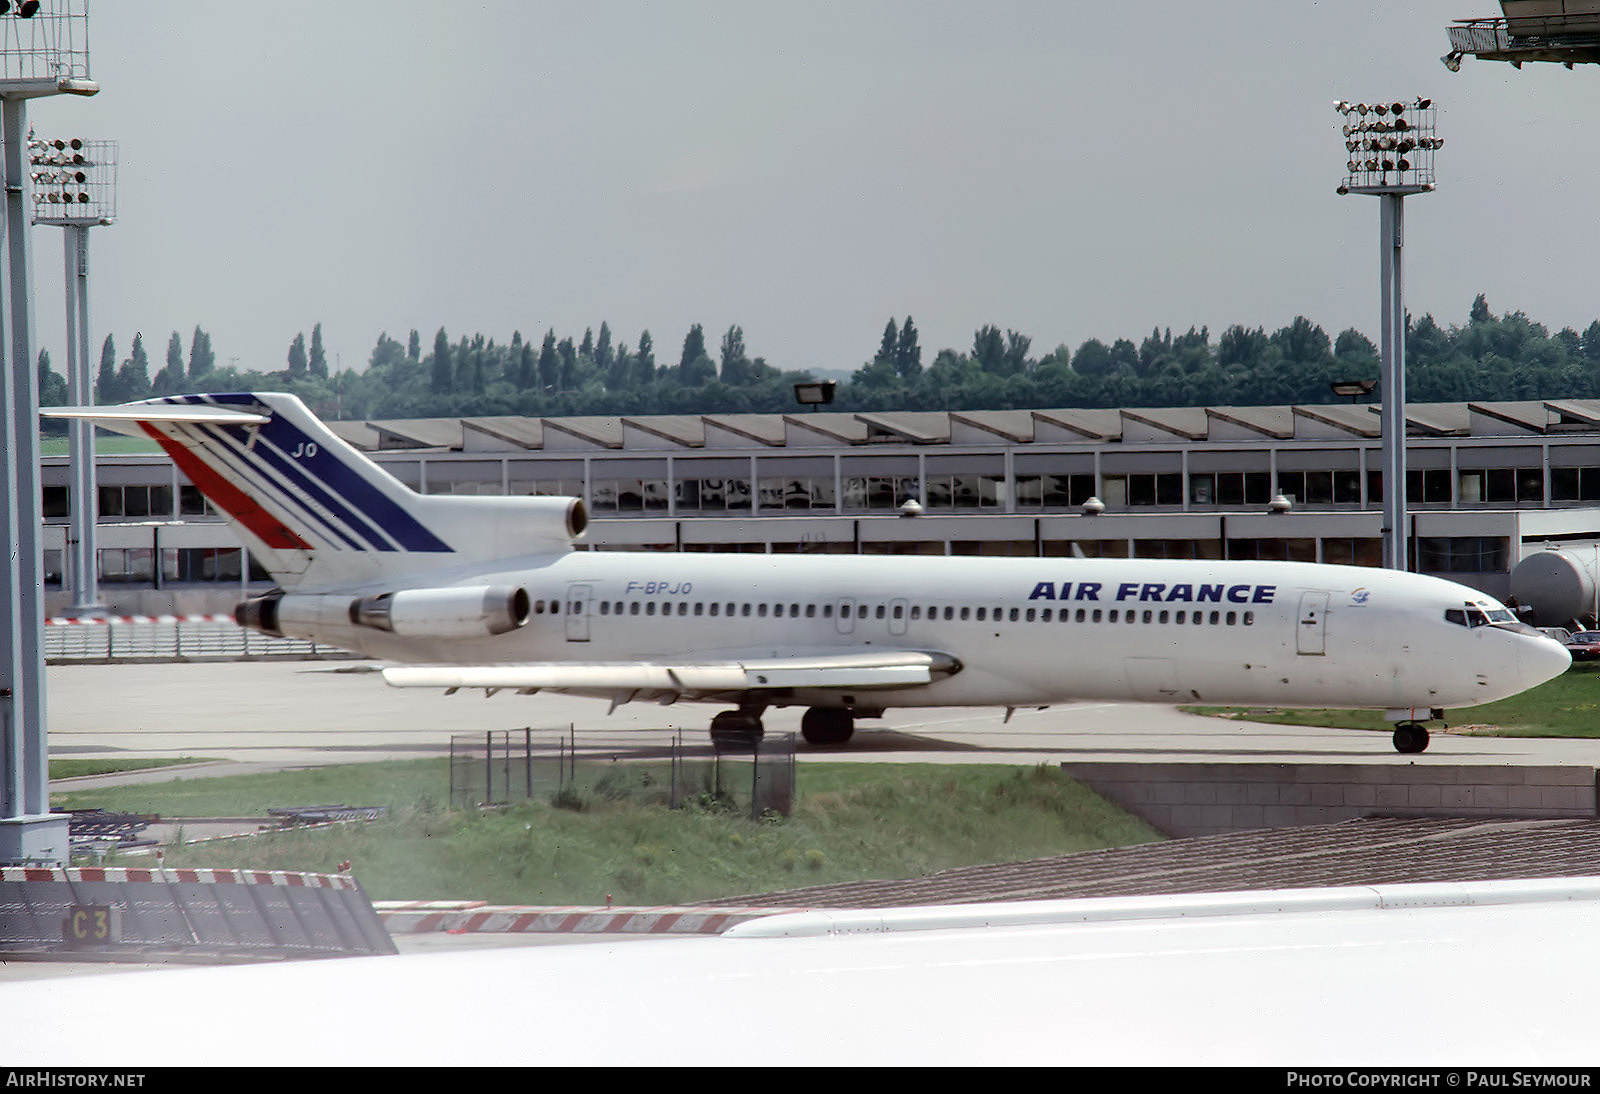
pixel 689 679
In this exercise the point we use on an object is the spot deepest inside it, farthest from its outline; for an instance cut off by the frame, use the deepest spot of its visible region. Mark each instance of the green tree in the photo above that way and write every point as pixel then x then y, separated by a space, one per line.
pixel 694 347
pixel 568 354
pixel 989 349
pixel 527 368
pixel 549 362
pixel 645 360
pixel 443 376
pixel 52 385
pixel 170 379
pixel 736 365
pixel 318 364
pixel 1357 357
pixel 1303 340
pixel 1589 343
pixel 604 356
pixel 201 359
pixel 1093 359
pixel 1017 361
pixel 105 388
pixel 1241 347
pixel 133 377
pixel 890 345
pixel 907 354
pixel 297 357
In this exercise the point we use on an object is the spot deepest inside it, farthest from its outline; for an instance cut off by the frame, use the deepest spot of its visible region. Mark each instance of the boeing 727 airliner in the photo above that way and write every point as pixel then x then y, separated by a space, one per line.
pixel 488 592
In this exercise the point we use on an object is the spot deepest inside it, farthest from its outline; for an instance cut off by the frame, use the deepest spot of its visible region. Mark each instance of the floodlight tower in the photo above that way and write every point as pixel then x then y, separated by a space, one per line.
pixel 1390 149
pixel 75 188
pixel 44 50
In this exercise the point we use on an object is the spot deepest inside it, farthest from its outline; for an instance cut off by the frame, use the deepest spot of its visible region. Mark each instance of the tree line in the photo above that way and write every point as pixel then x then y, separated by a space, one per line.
pixel 1488 357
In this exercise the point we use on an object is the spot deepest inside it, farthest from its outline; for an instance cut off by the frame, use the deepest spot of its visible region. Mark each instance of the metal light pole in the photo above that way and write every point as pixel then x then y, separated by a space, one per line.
pixel 75 188
pixel 44 50
pixel 1390 148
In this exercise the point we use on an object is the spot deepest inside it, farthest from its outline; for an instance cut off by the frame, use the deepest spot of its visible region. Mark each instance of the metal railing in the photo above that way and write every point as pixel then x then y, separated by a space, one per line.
pixel 644 766
pixel 172 639
pixel 1525 32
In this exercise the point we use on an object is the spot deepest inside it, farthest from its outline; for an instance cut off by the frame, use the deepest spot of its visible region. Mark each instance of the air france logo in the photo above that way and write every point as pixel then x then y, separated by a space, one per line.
pixel 1156 591
pixel 1360 596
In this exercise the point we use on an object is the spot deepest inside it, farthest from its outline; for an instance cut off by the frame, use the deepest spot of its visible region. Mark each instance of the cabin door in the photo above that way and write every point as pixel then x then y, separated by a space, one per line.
pixel 577 612
pixel 1311 635
pixel 844 614
pixel 898 610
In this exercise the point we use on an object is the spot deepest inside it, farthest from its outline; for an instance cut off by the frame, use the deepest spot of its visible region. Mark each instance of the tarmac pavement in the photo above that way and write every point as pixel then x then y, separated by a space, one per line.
pixel 268 715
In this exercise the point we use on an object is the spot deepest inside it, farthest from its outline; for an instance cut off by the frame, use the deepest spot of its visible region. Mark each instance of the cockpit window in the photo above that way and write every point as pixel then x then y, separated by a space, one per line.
pixel 1476 615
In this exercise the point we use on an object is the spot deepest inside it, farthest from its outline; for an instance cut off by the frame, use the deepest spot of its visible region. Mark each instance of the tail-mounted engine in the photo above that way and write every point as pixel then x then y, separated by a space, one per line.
pixel 469 611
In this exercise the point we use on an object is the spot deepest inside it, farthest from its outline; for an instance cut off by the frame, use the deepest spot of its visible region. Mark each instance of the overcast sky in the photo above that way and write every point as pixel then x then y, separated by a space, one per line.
pixel 805 170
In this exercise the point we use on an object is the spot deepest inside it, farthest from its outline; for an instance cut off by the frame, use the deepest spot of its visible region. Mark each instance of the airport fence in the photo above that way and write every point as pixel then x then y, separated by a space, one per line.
pixel 171 638
pixel 657 767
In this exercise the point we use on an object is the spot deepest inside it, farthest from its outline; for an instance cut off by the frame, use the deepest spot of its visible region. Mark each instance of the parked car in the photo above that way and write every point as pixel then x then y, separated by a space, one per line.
pixel 1584 646
pixel 1560 634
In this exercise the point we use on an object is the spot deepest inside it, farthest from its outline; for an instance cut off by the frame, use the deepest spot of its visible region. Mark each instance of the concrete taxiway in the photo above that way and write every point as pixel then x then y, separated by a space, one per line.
pixel 273 714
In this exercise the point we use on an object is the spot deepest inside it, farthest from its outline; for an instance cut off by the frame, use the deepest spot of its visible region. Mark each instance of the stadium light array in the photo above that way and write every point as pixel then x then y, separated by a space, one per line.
pixel 1389 146
pixel 74 180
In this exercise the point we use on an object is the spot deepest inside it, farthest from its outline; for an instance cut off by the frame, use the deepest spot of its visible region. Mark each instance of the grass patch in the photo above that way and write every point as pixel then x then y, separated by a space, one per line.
pixel 104 445
pixel 417 783
pixel 1568 706
pixel 72 769
pixel 851 822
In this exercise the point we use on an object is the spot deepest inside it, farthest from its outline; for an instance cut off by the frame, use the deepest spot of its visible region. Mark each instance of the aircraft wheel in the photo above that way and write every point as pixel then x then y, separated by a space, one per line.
pixel 736 731
pixel 827 726
pixel 1410 738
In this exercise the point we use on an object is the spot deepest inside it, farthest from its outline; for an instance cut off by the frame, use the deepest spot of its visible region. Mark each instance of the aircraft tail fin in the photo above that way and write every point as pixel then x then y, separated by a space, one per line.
pixel 314 510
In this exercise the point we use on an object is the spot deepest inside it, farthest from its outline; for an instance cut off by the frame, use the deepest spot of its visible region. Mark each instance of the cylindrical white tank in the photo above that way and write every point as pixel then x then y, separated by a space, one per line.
pixel 1558 585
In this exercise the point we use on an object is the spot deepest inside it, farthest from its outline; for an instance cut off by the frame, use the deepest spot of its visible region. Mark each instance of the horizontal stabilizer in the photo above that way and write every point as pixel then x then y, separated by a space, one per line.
pixel 133 414
pixel 857 670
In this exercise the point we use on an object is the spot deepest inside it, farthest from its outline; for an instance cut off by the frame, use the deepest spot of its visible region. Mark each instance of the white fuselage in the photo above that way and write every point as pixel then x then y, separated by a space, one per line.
pixel 1024 631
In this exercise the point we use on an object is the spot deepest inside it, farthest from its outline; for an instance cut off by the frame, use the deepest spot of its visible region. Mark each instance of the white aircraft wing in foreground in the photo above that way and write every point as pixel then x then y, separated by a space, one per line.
pixel 1467 975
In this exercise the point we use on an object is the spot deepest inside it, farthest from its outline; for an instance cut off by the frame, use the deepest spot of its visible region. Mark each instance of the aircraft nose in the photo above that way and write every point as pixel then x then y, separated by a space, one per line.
pixel 1542 659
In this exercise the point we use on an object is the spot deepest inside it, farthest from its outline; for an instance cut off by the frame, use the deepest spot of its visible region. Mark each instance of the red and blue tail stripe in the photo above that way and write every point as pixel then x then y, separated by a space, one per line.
pixel 296 481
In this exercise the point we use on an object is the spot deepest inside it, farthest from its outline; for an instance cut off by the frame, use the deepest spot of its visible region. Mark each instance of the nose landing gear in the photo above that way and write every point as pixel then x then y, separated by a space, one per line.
pixel 1410 735
pixel 1410 738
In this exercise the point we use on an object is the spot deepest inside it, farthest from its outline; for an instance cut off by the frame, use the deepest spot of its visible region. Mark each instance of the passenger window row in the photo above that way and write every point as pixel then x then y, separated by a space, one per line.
pixel 962 613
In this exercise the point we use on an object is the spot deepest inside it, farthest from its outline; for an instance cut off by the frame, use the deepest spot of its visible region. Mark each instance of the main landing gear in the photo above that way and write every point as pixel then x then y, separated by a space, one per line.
pixel 737 730
pixel 741 730
pixel 827 725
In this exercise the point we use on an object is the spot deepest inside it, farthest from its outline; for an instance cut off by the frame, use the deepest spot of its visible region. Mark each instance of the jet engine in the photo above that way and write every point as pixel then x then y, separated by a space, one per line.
pixel 465 611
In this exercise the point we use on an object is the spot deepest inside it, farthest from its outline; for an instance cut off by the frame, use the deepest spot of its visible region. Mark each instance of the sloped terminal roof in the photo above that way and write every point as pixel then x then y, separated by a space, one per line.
pixel 418 433
pixel 1157 425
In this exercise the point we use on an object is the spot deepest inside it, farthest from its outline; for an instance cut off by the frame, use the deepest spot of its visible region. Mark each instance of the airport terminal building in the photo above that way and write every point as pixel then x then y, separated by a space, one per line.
pixel 1488 484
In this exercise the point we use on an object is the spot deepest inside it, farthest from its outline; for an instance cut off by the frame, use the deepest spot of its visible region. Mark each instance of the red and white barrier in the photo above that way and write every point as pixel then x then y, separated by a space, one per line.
pixel 90 621
pixel 463 917
pixel 124 874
